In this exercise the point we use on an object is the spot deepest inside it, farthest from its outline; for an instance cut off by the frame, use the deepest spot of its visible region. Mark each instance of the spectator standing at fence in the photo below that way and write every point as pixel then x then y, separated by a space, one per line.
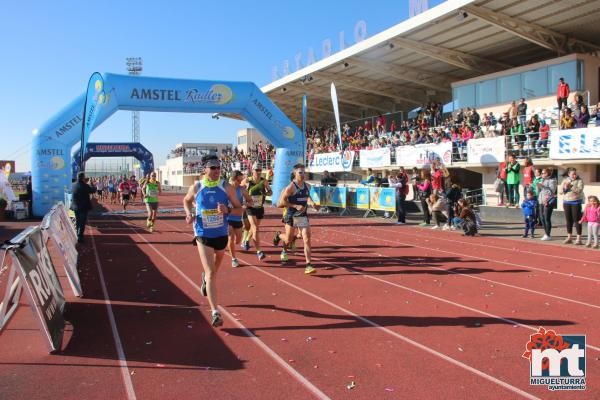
pixel 522 112
pixel 583 118
pixel 537 178
pixel 424 189
pixel 547 200
pixel 591 216
pixel 513 178
pixel 529 207
pixel 414 180
pixel 562 93
pixel 513 111
pixel 572 189
pixel 437 177
pixel 527 176
pixel 502 187
pixel 400 183
pixel 544 134
pixel 533 132
pixel 453 194
pixel 517 135
pixel 328 180
pixel 81 203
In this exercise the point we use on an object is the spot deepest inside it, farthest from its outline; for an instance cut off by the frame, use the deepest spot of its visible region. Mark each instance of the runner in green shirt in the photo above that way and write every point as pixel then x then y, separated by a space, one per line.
pixel 151 190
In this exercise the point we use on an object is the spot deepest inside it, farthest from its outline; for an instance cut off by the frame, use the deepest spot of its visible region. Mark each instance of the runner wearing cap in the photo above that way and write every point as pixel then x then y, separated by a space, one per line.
pixel 257 187
pixel 235 218
pixel 211 196
pixel 151 190
pixel 296 197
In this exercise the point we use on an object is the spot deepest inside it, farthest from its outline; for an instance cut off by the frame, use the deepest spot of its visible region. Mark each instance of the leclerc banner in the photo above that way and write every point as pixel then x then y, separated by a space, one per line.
pixel 423 154
pixel 486 150
pixel 332 162
pixel 375 158
pixel 43 288
pixel 570 144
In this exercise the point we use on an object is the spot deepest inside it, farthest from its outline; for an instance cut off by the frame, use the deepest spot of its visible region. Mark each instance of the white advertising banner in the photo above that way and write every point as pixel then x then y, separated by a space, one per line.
pixel 376 158
pixel 571 144
pixel 486 150
pixel 422 155
pixel 332 162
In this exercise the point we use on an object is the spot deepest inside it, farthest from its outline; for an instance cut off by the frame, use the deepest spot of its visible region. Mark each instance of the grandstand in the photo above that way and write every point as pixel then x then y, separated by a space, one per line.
pixel 464 53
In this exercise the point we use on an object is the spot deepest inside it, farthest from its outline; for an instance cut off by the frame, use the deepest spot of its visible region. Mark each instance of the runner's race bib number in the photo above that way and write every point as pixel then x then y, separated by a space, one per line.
pixel 152 192
pixel 301 222
pixel 257 200
pixel 212 219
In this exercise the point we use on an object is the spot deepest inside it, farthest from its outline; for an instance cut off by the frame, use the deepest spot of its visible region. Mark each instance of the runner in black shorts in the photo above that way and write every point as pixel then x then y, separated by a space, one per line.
pixel 235 218
pixel 258 187
pixel 211 196
pixel 296 198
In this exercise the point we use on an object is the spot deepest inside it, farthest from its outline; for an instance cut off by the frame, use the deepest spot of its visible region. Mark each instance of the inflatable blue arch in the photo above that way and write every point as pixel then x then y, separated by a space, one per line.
pixel 52 144
pixel 133 149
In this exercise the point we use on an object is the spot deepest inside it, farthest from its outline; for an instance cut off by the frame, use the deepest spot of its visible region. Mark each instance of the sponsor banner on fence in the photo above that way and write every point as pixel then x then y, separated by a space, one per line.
pixel 375 158
pixel 336 196
pixel 64 236
pixel 362 198
pixel 486 150
pixel 42 285
pixel 315 194
pixel 332 162
pixel 383 199
pixel 350 197
pixel 423 154
pixel 569 144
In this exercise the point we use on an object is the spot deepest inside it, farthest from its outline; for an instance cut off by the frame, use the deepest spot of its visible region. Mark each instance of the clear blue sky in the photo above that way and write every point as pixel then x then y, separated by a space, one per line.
pixel 49 50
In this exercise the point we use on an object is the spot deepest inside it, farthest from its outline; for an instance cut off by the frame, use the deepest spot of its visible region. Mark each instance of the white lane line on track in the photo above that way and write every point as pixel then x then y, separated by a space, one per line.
pixel 399 336
pixel 441 299
pixel 466 255
pixel 270 352
pixel 557 246
pixel 488 280
pixel 358 317
pixel 113 325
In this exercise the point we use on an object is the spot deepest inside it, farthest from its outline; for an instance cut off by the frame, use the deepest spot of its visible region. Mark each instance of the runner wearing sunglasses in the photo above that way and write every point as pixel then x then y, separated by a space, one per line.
pixel 211 195
pixel 258 187
pixel 296 198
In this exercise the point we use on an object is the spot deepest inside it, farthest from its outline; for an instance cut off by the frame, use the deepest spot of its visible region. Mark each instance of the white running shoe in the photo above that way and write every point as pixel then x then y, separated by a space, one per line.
pixel 546 237
pixel 435 227
pixel 446 227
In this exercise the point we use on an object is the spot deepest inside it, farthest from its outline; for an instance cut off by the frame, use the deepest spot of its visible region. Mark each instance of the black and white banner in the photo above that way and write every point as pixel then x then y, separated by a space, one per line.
pixel 33 262
pixel 63 234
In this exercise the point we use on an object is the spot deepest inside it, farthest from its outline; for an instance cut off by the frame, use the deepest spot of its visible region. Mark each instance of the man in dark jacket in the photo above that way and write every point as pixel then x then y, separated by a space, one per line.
pixel 81 203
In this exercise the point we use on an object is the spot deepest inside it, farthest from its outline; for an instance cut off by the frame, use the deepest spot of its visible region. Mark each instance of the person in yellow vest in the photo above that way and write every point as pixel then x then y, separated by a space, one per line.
pixel 151 190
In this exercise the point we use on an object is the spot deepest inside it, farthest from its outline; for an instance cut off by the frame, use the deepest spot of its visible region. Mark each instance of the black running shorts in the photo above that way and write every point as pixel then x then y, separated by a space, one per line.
pixel 259 213
pixel 218 243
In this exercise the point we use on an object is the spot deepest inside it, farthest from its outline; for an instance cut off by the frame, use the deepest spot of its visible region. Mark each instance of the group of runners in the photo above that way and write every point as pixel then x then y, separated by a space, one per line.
pixel 226 214
pixel 124 191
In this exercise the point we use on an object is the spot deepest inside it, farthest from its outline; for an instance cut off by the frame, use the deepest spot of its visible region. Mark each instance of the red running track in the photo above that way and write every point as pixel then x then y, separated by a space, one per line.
pixel 401 311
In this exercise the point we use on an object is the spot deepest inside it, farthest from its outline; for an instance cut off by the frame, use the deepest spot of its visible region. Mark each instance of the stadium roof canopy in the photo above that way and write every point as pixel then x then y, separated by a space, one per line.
pixel 417 60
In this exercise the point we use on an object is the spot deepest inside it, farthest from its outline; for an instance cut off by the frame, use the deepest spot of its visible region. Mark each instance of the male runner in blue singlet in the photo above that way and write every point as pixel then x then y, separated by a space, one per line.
pixel 211 195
